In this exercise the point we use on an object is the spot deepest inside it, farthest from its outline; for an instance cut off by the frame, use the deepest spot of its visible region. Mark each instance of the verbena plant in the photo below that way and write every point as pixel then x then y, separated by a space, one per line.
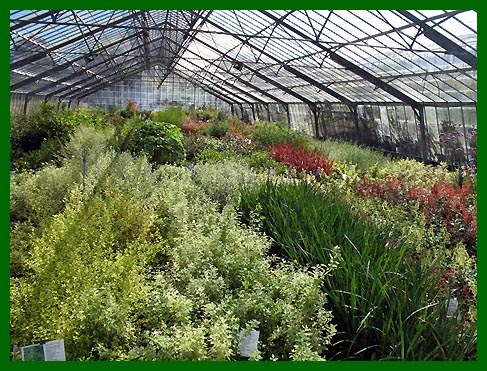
pixel 385 306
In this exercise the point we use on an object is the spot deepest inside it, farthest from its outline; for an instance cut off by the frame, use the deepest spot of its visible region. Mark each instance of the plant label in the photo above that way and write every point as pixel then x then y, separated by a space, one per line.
pixel 248 342
pixel 54 351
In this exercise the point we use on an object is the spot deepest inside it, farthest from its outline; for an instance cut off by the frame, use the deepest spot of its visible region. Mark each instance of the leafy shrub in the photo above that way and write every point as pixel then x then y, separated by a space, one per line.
pixel 195 144
pixel 237 143
pixel 301 159
pixel 263 161
pixel 222 181
pixel 412 172
pixel 385 306
pixel 141 266
pixel 362 157
pixel 172 115
pixel 214 156
pixel 160 141
pixel 36 138
pixel 442 204
pixel 218 129
pixel 272 133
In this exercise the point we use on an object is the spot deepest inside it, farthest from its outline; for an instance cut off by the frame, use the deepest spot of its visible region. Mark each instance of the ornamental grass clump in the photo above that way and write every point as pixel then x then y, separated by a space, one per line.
pixel 385 305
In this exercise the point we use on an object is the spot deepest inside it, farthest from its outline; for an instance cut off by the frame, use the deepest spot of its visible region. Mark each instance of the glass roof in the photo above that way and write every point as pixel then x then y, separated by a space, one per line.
pixel 253 56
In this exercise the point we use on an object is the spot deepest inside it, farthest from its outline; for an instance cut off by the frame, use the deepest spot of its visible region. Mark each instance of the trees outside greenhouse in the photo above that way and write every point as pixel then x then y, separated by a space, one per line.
pixel 243 184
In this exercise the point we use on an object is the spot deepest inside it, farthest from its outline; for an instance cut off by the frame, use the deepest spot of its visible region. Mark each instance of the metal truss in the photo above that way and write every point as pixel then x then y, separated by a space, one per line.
pixel 417 58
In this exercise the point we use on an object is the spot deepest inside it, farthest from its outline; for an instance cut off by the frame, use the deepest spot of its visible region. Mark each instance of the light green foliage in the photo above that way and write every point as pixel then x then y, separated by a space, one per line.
pixel 171 115
pixel 141 266
pixel 37 138
pixel 363 158
pixel 412 172
pixel 89 139
pixel 263 161
pixel 222 181
pixel 214 156
pixel 195 144
pixel 267 133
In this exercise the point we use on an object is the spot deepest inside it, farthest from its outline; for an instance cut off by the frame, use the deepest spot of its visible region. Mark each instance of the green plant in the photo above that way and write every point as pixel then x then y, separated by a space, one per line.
pixel 218 129
pixel 195 144
pixel 172 115
pixel 36 138
pixel 263 161
pixel 160 141
pixel 141 266
pixel 222 181
pixel 213 156
pixel 362 157
pixel 265 134
pixel 385 305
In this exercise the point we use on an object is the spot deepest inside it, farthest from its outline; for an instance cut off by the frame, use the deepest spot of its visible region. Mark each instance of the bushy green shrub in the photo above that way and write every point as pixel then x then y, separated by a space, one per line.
pixel 267 133
pixel 263 161
pixel 218 129
pixel 36 138
pixel 161 142
pixel 141 266
pixel 213 156
pixel 362 157
pixel 222 181
pixel 195 144
pixel 172 115
pixel 416 173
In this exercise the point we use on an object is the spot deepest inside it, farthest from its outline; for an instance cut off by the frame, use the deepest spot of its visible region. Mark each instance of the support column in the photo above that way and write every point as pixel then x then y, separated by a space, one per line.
pixel 268 113
pixel 241 111
pixel 316 116
pixel 420 115
pixel 253 110
pixel 26 102
pixel 354 110
pixel 288 115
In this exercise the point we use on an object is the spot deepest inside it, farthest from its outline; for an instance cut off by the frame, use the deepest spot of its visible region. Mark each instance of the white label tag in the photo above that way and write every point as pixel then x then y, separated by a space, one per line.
pixel 248 344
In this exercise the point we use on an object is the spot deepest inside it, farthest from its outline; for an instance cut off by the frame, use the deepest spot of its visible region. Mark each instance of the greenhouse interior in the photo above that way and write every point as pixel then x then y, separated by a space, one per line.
pixel 243 185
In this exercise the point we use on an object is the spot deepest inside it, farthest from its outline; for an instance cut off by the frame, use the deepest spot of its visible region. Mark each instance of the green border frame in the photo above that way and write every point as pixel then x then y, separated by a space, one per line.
pixel 212 365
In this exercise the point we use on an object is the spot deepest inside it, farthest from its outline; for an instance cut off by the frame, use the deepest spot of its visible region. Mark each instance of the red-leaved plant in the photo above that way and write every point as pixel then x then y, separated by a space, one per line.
pixel 442 204
pixel 301 159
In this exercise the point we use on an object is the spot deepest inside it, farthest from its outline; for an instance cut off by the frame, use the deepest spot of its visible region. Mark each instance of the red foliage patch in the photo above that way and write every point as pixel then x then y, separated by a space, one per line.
pixel 301 159
pixel 192 127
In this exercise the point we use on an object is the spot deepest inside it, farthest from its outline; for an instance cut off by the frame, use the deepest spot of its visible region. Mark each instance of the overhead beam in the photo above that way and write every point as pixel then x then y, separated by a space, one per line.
pixel 79 83
pixel 63 66
pixel 220 87
pixel 94 87
pixel 348 64
pixel 441 40
pixel 223 82
pixel 127 52
pixel 239 79
pixel 44 53
pixel 290 69
pixel 23 22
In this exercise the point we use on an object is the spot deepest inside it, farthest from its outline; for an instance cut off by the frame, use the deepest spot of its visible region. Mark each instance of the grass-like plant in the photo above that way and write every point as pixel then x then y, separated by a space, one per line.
pixel 385 305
